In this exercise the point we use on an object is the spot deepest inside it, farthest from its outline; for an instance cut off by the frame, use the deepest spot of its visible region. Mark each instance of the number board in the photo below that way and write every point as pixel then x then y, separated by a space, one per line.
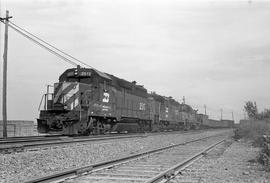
pixel 85 73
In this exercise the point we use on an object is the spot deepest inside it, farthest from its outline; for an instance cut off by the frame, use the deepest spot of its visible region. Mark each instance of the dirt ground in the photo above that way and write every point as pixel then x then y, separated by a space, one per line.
pixel 233 161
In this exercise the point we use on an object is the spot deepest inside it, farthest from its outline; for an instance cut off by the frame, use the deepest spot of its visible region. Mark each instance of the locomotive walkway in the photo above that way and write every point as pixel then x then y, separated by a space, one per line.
pixel 156 165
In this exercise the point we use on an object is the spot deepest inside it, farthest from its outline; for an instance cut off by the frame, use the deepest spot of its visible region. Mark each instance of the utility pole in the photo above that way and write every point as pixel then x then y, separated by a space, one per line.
pixel 204 109
pixel 5 20
pixel 184 100
pixel 232 116
pixel 244 112
pixel 221 111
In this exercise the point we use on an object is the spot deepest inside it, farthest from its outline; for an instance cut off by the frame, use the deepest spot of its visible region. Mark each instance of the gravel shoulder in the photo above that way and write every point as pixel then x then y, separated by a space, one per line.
pixel 232 162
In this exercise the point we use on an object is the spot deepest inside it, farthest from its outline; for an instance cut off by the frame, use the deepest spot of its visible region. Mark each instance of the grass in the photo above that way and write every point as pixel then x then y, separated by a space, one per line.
pixel 259 133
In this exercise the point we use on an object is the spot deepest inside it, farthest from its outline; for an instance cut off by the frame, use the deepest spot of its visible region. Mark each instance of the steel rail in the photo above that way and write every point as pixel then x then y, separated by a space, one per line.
pixel 19 145
pixel 22 147
pixel 107 164
pixel 13 140
pixel 41 137
pixel 31 136
pixel 34 137
pixel 95 136
pixel 176 169
pixel 28 140
pixel 51 138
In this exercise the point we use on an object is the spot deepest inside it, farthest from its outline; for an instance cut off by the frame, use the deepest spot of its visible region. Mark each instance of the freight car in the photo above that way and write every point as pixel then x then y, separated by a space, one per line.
pixel 211 123
pixel 86 101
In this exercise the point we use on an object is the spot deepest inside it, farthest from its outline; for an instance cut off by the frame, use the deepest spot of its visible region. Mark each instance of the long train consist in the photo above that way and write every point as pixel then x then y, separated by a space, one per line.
pixel 86 101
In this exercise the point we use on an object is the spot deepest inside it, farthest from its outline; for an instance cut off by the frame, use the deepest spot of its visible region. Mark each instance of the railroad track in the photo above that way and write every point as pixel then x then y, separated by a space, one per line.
pixel 12 140
pixel 158 165
pixel 26 137
pixel 29 139
pixel 35 143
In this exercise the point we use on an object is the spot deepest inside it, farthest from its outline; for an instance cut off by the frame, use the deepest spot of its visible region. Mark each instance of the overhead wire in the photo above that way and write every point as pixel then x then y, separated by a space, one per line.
pixel 61 51
pixel 43 46
pixel 39 42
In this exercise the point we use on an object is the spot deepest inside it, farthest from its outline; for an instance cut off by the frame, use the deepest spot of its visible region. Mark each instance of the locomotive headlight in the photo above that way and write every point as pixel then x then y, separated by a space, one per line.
pixel 76 72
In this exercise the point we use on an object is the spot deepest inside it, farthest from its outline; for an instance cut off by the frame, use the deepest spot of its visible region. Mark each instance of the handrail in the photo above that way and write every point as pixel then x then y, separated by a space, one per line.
pixel 44 97
pixel 41 101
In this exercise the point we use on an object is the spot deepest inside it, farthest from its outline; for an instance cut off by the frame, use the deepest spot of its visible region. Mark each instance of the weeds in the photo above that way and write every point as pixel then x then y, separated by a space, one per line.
pixel 259 133
pixel 264 156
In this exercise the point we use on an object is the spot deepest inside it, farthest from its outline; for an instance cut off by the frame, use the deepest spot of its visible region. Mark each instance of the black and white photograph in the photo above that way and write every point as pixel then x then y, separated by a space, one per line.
pixel 134 91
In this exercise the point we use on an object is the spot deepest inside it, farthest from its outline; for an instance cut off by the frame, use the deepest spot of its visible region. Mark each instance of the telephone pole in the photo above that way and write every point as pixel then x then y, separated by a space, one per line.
pixel 204 109
pixel 5 21
pixel 221 111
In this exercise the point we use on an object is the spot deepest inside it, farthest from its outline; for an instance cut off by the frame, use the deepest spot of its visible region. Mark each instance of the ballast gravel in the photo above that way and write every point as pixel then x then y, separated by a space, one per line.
pixel 233 162
pixel 20 167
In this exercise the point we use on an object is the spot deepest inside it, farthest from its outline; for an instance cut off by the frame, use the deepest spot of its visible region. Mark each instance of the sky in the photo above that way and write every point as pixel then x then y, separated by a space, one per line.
pixel 215 53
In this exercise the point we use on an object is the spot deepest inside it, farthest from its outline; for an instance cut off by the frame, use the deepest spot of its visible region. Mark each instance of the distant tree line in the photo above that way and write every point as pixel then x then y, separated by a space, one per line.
pixel 253 113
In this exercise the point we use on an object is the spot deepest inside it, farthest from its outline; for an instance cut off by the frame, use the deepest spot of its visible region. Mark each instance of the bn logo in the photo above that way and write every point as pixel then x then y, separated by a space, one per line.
pixel 106 97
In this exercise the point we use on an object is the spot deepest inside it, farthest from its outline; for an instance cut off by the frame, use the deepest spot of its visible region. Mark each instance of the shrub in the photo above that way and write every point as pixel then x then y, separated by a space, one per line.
pixel 259 133
pixel 264 156
pixel 253 130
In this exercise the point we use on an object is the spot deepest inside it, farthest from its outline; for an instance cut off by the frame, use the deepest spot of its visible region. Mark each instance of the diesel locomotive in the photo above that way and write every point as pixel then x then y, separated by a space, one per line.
pixel 86 101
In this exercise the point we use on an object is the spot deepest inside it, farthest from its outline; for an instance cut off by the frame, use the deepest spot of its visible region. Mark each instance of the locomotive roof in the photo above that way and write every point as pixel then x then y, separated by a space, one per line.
pixel 115 81
pixel 174 101
pixel 126 84
pixel 157 97
pixel 101 74
pixel 186 107
pixel 130 86
pixel 161 98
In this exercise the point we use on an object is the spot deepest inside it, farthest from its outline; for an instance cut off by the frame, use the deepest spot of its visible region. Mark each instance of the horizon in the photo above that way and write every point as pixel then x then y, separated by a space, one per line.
pixel 215 53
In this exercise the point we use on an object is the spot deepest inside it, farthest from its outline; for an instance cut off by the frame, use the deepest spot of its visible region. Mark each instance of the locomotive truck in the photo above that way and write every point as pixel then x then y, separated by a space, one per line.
pixel 86 101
